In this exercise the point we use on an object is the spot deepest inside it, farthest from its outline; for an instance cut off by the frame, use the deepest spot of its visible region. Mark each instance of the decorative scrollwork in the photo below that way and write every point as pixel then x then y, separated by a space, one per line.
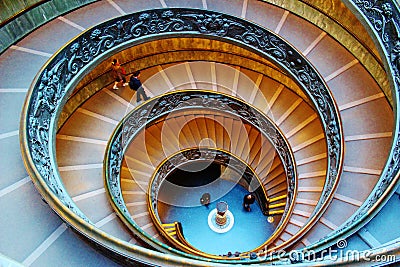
pixel 41 111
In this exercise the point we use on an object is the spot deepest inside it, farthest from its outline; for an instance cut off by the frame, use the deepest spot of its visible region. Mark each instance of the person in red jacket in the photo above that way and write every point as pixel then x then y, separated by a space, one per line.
pixel 118 73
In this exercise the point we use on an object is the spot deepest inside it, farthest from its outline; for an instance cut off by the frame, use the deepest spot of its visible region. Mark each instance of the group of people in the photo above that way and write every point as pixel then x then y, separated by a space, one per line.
pixel 252 255
pixel 230 254
pixel 119 75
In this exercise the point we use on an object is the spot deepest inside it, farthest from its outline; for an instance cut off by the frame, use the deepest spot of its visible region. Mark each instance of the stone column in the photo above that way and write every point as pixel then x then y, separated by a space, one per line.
pixel 222 208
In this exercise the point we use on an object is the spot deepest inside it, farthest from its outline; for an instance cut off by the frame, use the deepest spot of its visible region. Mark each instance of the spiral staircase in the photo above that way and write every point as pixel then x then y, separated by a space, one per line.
pixel 309 97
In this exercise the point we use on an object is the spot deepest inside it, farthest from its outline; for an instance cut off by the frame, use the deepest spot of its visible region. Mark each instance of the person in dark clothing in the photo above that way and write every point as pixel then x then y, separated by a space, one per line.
pixel 205 199
pixel 248 200
pixel 136 85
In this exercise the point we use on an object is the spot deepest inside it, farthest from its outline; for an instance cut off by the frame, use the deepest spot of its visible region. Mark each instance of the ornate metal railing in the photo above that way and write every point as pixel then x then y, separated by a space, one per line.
pixel 55 82
pixel 161 106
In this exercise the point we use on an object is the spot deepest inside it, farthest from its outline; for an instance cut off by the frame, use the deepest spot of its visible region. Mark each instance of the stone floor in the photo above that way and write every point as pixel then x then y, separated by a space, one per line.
pixel 250 229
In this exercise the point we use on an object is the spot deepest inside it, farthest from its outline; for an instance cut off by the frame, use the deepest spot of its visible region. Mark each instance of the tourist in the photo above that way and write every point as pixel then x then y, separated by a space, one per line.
pixel 136 85
pixel 118 73
pixel 205 199
pixel 247 201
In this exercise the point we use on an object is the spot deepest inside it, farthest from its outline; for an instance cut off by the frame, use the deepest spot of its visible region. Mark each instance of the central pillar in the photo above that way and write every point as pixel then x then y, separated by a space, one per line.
pixel 221 219
pixel 222 208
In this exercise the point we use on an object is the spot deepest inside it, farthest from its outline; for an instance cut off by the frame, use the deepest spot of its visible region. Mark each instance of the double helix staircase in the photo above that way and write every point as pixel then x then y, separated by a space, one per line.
pixel 360 93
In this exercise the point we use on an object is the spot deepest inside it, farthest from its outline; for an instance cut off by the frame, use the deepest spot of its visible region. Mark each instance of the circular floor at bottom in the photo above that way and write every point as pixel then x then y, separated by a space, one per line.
pixel 250 230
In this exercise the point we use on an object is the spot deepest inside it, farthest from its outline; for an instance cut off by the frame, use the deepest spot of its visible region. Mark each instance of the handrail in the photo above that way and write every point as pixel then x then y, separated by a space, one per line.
pixel 61 73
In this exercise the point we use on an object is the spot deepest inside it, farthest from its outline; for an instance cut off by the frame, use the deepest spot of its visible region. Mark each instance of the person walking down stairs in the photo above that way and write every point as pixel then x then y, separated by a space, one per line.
pixel 118 74
pixel 136 85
